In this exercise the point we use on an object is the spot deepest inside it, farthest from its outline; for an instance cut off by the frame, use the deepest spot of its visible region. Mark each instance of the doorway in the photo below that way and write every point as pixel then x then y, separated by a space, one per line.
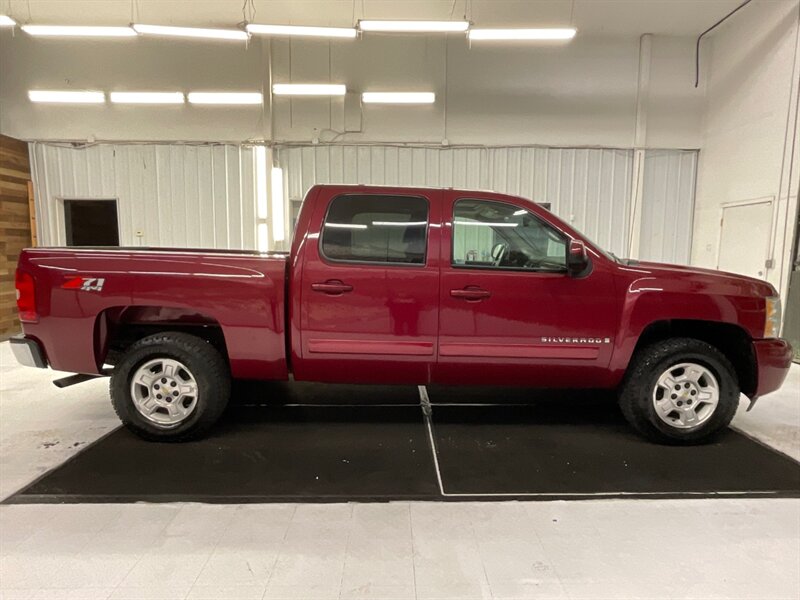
pixel 746 228
pixel 91 222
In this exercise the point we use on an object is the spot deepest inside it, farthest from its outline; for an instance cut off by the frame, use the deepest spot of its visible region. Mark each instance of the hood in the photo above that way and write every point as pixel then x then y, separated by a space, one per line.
pixel 756 287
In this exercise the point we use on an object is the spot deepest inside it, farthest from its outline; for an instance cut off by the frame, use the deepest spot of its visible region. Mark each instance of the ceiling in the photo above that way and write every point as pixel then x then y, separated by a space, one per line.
pixel 606 17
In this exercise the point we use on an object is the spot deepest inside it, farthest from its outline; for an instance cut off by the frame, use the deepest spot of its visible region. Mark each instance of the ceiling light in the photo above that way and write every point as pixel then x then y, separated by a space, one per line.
pixel 522 34
pixel 67 97
pixel 309 89
pixel 190 32
pixel 299 30
pixel 398 97
pixel 147 97
pixel 7 21
pixel 225 97
pixel 414 26
pixel 78 31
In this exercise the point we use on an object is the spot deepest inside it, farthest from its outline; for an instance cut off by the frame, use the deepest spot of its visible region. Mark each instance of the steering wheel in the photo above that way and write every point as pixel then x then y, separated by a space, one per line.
pixel 499 252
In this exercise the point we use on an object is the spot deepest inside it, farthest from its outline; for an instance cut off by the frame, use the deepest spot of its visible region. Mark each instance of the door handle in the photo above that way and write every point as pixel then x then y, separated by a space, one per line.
pixel 332 287
pixel 471 294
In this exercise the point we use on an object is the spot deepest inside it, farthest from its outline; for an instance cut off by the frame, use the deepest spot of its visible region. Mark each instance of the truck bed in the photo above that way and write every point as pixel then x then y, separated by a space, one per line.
pixel 87 295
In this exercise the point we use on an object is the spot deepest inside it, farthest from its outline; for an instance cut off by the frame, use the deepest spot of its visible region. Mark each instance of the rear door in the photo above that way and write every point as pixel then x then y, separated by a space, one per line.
pixel 510 313
pixel 370 287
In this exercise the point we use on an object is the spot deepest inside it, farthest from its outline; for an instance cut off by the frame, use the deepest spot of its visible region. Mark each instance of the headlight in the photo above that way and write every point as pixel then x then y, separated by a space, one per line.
pixel 772 324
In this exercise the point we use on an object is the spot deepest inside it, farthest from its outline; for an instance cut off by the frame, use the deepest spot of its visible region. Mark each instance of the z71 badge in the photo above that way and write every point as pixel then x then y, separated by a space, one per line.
pixel 84 284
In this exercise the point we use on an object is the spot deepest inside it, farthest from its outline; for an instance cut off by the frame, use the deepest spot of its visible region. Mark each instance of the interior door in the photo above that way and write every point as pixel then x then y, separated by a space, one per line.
pixel 510 313
pixel 744 238
pixel 370 288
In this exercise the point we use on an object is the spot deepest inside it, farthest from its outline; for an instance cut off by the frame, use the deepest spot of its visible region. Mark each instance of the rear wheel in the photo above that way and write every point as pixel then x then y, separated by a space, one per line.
pixel 170 387
pixel 680 391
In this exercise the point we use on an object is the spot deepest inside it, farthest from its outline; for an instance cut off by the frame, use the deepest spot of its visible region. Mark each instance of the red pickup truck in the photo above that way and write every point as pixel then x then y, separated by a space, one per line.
pixel 395 285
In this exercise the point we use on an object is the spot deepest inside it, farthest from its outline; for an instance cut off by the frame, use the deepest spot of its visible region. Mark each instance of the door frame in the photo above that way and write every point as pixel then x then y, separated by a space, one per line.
pixel 62 215
pixel 750 202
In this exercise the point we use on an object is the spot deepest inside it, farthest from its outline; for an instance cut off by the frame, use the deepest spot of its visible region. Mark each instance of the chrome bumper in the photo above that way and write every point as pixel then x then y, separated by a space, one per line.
pixel 28 352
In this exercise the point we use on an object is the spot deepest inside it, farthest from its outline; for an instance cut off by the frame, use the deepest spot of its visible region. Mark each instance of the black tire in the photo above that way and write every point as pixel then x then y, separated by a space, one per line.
pixel 208 368
pixel 647 365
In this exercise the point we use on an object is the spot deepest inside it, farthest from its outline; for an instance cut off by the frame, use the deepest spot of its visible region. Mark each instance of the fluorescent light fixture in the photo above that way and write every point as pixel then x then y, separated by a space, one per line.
pixel 484 224
pixel 190 32
pixel 398 97
pixel 399 223
pixel 6 21
pixel 522 34
pixel 309 89
pixel 78 31
pixel 226 97
pixel 520 212
pixel 414 26
pixel 300 30
pixel 278 226
pixel 66 97
pixel 261 182
pixel 147 97
pixel 345 225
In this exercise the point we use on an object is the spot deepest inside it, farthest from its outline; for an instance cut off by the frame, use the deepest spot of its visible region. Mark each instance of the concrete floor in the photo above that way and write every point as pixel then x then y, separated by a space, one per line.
pixel 713 548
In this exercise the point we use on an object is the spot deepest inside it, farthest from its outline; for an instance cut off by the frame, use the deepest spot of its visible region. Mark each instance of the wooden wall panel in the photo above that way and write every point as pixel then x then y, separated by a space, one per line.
pixel 15 225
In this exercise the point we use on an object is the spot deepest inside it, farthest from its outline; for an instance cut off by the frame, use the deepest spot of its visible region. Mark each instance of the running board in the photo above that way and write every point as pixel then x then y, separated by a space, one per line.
pixel 78 378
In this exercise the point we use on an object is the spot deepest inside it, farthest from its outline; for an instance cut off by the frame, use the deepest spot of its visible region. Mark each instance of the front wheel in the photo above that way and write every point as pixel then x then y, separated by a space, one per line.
pixel 170 387
pixel 679 391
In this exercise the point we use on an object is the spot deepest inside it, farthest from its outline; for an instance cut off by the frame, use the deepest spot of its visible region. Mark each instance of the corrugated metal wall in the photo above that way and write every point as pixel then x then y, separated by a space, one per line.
pixel 590 188
pixel 204 196
pixel 174 194
pixel 668 205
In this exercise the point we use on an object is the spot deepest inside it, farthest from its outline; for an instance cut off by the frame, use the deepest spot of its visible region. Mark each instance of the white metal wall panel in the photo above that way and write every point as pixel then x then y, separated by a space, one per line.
pixel 175 194
pixel 589 188
pixel 668 205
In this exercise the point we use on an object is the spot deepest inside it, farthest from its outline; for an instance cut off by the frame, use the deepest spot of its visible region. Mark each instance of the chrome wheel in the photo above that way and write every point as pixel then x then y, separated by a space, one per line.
pixel 164 391
pixel 686 395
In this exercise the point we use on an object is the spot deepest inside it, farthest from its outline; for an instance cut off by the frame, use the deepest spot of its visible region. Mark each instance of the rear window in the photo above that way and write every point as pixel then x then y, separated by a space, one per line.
pixel 376 229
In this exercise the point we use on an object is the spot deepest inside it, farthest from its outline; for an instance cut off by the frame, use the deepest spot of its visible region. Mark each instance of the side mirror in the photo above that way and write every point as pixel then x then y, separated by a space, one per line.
pixel 577 258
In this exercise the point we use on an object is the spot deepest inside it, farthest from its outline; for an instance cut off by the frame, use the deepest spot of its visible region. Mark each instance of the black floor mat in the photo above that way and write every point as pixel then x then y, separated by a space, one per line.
pixel 351 446
pixel 264 454
pixel 583 447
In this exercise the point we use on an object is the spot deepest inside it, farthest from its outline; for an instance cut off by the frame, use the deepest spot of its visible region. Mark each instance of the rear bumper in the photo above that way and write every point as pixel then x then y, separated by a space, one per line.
pixel 773 359
pixel 28 352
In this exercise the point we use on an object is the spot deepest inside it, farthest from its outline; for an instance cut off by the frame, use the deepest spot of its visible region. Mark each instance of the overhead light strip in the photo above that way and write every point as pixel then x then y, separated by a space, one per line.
pixel 398 97
pixel 309 89
pixel 522 34
pixel 67 96
pixel 6 21
pixel 414 26
pixel 301 31
pixel 191 32
pixel 147 98
pixel 226 98
pixel 78 31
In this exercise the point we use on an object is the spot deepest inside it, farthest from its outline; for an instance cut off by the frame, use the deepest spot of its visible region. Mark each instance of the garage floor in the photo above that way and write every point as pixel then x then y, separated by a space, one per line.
pixel 699 548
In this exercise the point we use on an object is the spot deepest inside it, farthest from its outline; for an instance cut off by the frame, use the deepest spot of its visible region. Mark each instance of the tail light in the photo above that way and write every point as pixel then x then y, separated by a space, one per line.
pixel 26 297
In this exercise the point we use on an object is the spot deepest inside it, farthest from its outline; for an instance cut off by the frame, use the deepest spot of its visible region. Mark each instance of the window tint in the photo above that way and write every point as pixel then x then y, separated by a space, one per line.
pixel 496 235
pixel 381 229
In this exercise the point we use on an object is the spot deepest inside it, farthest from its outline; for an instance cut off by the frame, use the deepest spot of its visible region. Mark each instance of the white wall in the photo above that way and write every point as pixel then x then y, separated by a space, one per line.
pixel 750 126
pixel 168 195
pixel 581 93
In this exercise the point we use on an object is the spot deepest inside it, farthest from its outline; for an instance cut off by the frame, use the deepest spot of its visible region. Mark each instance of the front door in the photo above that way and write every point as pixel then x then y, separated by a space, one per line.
pixel 510 313
pixel 370 288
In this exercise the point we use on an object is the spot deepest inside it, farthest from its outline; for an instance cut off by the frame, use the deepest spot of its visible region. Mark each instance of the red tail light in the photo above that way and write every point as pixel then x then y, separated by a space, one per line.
pixel 26 297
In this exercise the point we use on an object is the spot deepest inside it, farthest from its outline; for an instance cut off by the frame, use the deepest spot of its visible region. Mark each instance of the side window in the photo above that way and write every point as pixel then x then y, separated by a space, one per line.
pixel 376 229
pixel 495 235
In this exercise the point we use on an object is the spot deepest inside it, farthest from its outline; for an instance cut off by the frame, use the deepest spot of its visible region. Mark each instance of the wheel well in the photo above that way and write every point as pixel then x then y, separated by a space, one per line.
pixel 118 328
pixel 731 340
